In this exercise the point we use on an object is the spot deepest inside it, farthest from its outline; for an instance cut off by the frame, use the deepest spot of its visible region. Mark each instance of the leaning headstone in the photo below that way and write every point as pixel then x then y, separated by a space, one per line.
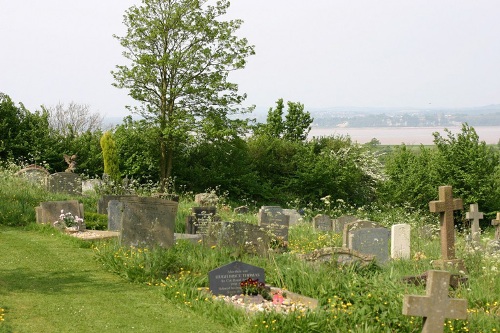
pixel 322 222
pixel 400 241
pixel 115 211
pixel 339 223
pixel 496 224
pixel 102 203
pixel 148 222
pixel 49 211
pixel 226 279
pixel 206 199
pixel 374 241
pixel 435 306
pixel 65 182
pixel 295 217
pixel 35 174
pixel 445 207
pixel 474 215
pixel 353 226
pixel 272 220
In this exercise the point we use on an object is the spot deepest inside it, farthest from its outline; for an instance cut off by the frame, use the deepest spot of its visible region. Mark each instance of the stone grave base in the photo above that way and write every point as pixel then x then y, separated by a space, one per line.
pixel 91 235
pixel 450 265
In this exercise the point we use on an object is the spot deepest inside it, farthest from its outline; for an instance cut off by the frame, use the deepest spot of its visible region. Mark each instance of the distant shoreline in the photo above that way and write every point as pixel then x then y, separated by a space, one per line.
pixel 406 135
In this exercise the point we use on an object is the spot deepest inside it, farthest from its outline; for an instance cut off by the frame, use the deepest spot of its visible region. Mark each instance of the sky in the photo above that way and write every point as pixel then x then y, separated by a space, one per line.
pixel 322 53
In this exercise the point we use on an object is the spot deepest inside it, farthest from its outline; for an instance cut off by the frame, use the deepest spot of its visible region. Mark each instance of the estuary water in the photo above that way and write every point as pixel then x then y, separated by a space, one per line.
pixel 406 135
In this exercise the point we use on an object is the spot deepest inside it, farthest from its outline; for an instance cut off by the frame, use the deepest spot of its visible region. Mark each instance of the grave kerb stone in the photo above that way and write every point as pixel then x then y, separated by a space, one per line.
pixel 475 215
pixel 400 241
pixel 436 306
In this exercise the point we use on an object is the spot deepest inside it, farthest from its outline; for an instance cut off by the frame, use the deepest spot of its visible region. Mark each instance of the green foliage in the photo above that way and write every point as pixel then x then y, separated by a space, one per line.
pixel 180 55
pixel 110 155
pixel 95 221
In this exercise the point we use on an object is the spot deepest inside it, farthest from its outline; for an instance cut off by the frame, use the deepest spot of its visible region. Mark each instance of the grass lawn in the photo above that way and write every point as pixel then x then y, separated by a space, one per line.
pixel 51 283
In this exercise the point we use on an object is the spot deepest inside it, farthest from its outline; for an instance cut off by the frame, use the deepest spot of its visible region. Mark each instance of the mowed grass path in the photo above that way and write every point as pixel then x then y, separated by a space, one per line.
pixel 48 283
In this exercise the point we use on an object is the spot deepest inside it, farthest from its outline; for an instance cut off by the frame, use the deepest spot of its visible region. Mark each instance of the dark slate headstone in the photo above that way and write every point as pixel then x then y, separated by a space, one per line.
pixel 272 220
pixel 225 280
pixel 356 225
pixel 374 241
pixel 148 222
pixel 198 221
pixel 115 211
pixel 65 182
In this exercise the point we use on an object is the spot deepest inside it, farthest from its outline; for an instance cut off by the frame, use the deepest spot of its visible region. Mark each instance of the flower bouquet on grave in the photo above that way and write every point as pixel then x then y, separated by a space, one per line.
pixel 253 287
pixel 69 223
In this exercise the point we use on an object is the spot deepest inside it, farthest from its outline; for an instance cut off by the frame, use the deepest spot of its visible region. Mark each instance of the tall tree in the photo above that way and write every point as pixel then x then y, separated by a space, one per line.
pixel 180 54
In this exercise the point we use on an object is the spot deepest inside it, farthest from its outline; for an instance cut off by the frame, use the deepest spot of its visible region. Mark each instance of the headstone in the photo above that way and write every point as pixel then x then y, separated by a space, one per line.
pixel 496 223
pixel 356 225
pixel 400 241
pixel 65 182
pixel 206 199
pixel 245 237
pixel 436 306
pixel 102 203
pixel 339 223
pixel 226 279
pixel 294 215
pixel 322 223
pixel 35 174
pixel 272 220
pixel 241 210
pixel 373 241
pixel 148 222
pixel 474 215
pixel 200 218
pixel 445 206
pixel 49 211
pixel 115 211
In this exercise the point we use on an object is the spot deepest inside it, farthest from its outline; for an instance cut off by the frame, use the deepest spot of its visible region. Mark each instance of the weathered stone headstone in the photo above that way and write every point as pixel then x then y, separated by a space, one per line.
pixel 102 203
pixel 200 218
pixel 373 241
pixel 436 306
pixel 226 279
pixel 49 211
pixel 322 222
pixel 353 226
pixel 90 185
pixel 206 199
pixel 474 215
pixel 400 241
pixel 272 220
pixel 245 237
pixel 115 211
pixel 295 217
pixel 445 206
pixel 35 174
pixel 496 223
pixel 241 210
pixel 340 222
pixel 148 222
pixel 65 182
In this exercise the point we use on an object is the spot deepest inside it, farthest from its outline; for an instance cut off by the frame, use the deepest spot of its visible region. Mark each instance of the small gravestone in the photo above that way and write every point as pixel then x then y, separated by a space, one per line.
pixel 295 217
pixel 474 215
pixel 273 220
pixel 374 241
pixel 199 219
pixel 339 223
pixel 102 203
pixel 226 279
pixel 435 306
pixel 445 207
pixel 400 241
pixel 35 174
pixel 65 182
pixel 323 223
pixel 148 222
pixel 49 211
pixel 353 226
pixel 496 224
pixel 115 211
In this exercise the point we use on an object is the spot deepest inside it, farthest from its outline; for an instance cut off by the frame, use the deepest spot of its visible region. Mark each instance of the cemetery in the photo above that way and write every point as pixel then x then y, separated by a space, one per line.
pixel 256 271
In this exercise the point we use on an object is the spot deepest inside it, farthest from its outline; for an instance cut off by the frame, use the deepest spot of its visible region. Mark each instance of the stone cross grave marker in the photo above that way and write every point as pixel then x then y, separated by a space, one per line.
pixel 322 222
pixel 435 306
pixel 226 279
pixel 496 223
pixel 445 206
pixel 400 241
pixel 374 241
pixel 475 215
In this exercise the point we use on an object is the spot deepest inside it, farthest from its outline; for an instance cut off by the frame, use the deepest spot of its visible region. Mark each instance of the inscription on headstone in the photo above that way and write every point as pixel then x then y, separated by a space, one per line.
pixel 226 279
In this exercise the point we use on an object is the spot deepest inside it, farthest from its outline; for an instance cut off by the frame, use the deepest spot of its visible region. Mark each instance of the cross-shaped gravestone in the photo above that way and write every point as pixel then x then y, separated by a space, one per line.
pixel 475 215
pixel 497 224
pixel 435 306
pixel 445 206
